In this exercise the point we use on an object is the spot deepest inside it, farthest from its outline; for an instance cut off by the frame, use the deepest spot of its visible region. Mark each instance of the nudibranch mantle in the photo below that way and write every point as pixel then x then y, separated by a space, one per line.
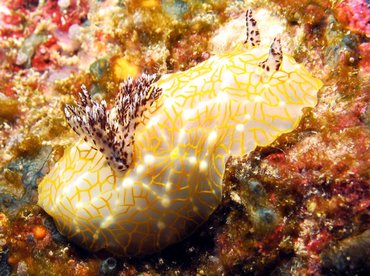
pixel 226 105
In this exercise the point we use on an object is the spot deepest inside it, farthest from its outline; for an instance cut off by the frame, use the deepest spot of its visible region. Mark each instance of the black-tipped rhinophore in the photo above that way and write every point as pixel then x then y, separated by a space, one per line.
pixel 253 34
pixel 274 59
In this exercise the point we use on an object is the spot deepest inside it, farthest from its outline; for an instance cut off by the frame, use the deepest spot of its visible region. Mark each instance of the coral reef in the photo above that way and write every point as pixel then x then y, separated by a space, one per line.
pixel 298 206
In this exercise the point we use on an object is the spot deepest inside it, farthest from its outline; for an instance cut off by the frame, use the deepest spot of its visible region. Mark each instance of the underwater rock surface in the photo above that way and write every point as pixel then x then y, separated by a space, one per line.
pixel 300 205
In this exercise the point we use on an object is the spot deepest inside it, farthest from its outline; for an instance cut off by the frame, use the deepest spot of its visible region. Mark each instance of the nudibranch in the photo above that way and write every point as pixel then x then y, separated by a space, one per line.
pixel 149 171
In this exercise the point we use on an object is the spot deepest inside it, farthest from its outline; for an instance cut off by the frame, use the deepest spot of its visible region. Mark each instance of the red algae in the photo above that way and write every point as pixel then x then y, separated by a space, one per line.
pixel 66 13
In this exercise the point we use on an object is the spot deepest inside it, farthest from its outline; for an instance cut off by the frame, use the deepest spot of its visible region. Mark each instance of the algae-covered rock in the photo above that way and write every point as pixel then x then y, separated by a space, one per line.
pixel 28 48
pixel 26 170
pixel 349 255
pixel 9 108
pixel 5 268
pixel 27 144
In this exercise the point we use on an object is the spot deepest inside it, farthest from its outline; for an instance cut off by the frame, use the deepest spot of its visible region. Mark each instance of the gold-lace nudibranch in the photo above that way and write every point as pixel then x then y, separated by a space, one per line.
pixel 167 142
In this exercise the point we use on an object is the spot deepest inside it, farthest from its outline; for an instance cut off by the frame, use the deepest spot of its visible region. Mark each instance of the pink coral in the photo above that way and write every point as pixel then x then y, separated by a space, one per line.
pixel 365 57
pixel 355 14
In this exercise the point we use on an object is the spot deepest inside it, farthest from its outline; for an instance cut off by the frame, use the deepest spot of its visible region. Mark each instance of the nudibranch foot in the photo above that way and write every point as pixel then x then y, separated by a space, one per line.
pixel 112 132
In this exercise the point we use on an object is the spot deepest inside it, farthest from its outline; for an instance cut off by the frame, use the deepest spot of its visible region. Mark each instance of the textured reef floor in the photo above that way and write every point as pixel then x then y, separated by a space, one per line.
pixel 299 206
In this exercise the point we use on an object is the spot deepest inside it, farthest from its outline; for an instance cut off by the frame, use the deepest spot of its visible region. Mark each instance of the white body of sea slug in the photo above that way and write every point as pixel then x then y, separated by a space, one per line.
pixel 167 143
